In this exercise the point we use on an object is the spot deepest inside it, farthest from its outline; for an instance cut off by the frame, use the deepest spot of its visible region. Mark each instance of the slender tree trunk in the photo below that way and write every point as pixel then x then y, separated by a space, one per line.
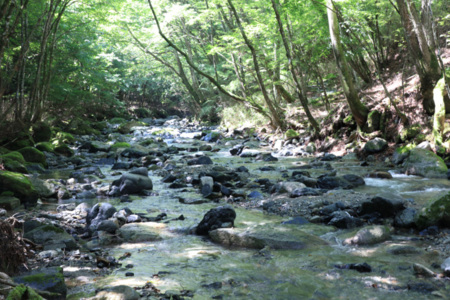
pixel 358 109
pixel 422 54
pixel 275 115
pixel 303 100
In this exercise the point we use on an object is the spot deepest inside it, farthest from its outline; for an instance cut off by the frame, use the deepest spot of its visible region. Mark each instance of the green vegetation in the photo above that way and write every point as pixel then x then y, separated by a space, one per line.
pixel 120 145
pixel 23 292
pixel 19 185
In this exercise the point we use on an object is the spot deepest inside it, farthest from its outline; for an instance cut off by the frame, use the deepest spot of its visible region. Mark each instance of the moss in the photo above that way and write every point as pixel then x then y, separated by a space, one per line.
pixel 290 134
pixel 117 121
pixel 147 142
pixel 349 120
pixel 63 149
pixel 23 292
pixel 15 156
pixel 45 146
pixel 3 150
pixel 120 145
pixel 14 166
pixel 65 137
pixel 33 155
pixel 437 212
pixel 19 184
pixel 404 149
pixel 410 132
pixel 22 139
pixel 100 125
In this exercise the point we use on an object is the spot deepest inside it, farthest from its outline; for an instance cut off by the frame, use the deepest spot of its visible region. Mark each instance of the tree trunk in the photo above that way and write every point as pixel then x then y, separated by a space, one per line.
pixel 303 100
pixel 439 111
pixel 358 109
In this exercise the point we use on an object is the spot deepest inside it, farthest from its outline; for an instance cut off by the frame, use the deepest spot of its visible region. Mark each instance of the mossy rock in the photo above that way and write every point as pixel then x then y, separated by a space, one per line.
pixel 349 120
pixel 126 128
pixel 120 145
pixel 9 202
pixel 100 125
pixel 23 292
pixel 3 150
pixel 373 121
pixel 14 166
pixel 64 149
pixel 147 142
pixel 291 134
pixel 425 163
pixel 47 279
pixel 45 146
pixel 19 185
pixel 14 155
pixel 410 132
pixel 33 155
pixel 65 137
pixel 42 132
pixel 436 212
pixel 20 141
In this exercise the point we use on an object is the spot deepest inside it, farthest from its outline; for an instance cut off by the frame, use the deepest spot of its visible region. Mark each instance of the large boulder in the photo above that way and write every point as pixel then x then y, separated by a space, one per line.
pixel 134 182
pixel 369 235
pixel 141 232
pixel 219 217
pixel 19 185
pixel 385 205
pixel 437 212
pixel 50 279
pixel 425 163
pixel 51 237
pixel 376 145
pixel 258 237
pixel 31 154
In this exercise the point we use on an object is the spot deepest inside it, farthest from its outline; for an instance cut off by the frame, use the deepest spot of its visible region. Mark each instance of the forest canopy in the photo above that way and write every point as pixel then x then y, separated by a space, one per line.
pixel 269 61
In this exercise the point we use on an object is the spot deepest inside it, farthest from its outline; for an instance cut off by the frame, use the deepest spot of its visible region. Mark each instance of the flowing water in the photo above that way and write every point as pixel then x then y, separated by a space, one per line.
pixel 183 261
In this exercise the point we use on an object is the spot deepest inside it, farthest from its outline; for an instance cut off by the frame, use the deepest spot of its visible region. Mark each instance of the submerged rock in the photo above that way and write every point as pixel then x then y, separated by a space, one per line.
pixel 45 279
pixel 120 292
pixel 258 237
pixel 369 235
pixel 219 217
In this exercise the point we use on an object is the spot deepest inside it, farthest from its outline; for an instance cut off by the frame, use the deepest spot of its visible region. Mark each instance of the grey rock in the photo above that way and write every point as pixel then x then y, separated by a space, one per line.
pixel 134 182
pixel 385 205
pixel 425 163
pixel 215 218
pixel 9 202
pixel 376 145
pixel 369 235
pixel 99 213
pixel 49 279
pixel 120 292
pixel 108 225
pixel 445 266
pixel 406 218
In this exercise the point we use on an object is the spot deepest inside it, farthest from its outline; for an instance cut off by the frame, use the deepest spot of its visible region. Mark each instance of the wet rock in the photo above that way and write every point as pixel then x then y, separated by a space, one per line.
pixel 169 178
pixel 134 182
pixel 376 145
pixel 308 181
pixel 379 174
pixel 249 153
pixel 436 212
pixel 296 221
pixel 403 250
pixel 242 169
pixel 306 191
pixel 361 268
pixel 237 149
pixel 331 208
pixel 121 166
pixel 423 287
pixel 86 195
pixel 406 218
pixel 334 182
pixel 177 184
pixel 369 235
pixel 219 217
pixel 445 266
pixel 329 157
pixel 343 220
pixel 288 187
pixel 385 205
pixel 141 232
pixel 108 225
pixel 135 151
pixel 425 163
pixel 49 279
pixel 258 237
pixel 255 195
pixel 120 292
pixel 268 157
pixel 421 270
pixel 206 190
pixel 202 160
pixel 100 212
pixel 96 146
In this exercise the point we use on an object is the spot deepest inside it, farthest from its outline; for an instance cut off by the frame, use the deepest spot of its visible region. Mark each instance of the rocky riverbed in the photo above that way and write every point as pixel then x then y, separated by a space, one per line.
pixel 165 209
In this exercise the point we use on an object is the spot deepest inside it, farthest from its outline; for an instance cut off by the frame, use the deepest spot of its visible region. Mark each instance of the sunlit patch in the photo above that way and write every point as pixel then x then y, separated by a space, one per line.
pixel 142 246
pixel 363 252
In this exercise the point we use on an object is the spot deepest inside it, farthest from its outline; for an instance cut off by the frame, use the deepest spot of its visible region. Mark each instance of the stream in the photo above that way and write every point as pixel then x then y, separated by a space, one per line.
pixel 179 261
